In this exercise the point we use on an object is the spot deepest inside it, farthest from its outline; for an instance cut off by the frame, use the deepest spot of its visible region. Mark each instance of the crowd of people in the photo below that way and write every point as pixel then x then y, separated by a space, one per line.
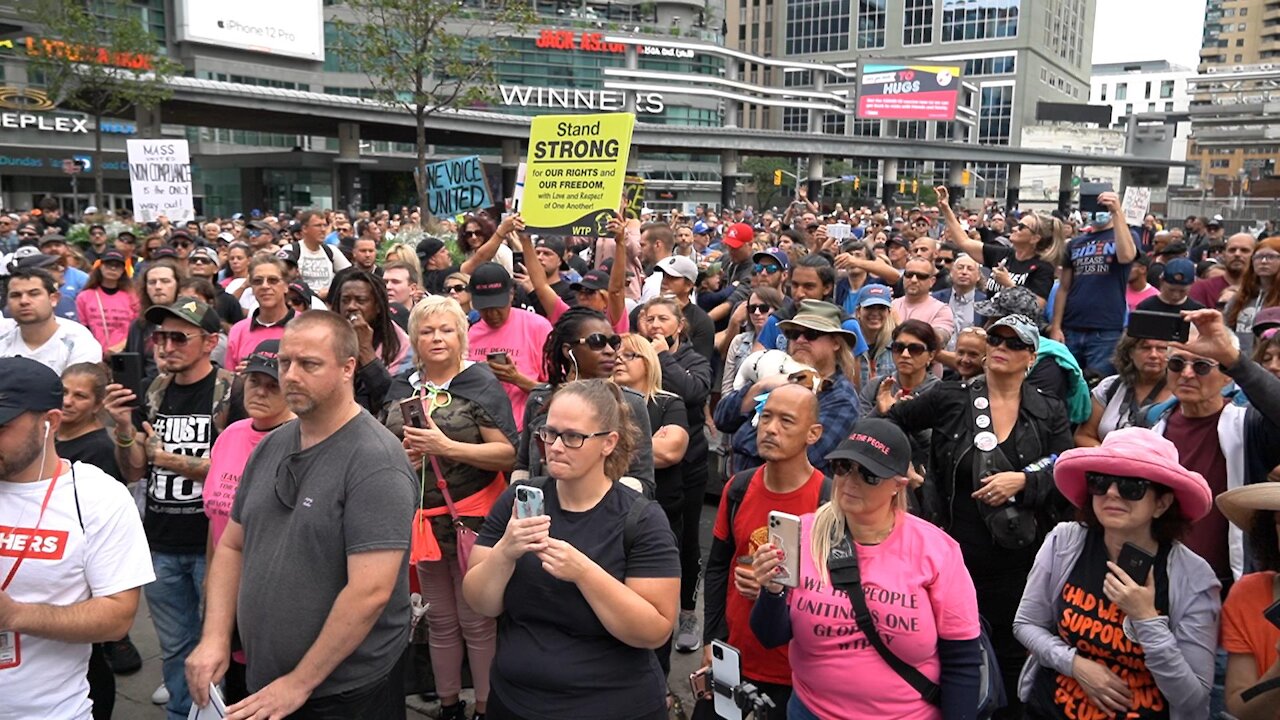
pixel 310 437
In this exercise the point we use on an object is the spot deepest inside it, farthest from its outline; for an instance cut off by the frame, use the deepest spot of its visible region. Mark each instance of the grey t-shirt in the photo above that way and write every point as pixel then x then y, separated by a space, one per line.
pixel 355 492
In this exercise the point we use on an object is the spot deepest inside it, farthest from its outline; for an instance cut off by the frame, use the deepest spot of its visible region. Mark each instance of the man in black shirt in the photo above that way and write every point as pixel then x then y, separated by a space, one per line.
pixel 1175 283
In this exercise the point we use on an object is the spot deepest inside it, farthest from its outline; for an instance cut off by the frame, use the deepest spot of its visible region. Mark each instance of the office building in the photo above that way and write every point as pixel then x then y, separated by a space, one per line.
pixel 1149 86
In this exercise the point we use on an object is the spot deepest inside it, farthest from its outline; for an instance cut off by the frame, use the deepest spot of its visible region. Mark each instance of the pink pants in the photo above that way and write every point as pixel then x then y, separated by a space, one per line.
pixel 452 621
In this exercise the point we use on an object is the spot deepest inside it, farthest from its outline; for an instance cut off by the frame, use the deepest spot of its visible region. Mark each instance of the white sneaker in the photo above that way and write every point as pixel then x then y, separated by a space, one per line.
pixel 160 696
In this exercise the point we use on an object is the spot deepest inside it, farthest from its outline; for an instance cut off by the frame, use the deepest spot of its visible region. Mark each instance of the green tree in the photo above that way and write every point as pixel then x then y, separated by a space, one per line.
pixel 98 58
pixel 762 170
pixel 427 56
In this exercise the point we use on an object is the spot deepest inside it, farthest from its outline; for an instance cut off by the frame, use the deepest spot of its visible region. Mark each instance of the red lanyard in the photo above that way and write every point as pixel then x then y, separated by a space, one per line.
pixel 23 555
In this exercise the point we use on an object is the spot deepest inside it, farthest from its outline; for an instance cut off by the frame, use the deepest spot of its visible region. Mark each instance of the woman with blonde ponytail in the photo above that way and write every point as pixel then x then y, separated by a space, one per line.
pixel 918 595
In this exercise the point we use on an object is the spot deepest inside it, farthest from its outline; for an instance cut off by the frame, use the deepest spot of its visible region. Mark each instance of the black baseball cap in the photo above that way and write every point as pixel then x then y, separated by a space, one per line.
pixel 164 251
pixel 490 287
pixel 52 238
pixel 592 280
pixel 264 359
pixel 877 445
pixel 289 254
pixel 27 386
pixel 112 256
pixel 302 290
pixel 552 243
pixel 187 310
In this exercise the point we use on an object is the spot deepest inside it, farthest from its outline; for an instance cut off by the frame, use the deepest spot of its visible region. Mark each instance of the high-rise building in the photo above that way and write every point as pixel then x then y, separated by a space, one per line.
pixel 1141 87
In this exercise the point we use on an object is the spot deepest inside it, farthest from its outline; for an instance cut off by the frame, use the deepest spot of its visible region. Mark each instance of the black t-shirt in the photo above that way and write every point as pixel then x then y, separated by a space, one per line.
pixel 1035 274
pixel 227 307
pixel 175 521
pixel 981 554
pixel 555 659
pixel 1155 304
pixel 95 448
pixel 668 409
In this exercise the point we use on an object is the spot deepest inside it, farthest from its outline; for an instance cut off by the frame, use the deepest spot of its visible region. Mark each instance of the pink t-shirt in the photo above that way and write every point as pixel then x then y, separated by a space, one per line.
pixel 932 312
pixel 1133 298
pixel 918 591
pixel 107 315
pixel 245 337
pixel 230 453
pixel 622 327
pixel 521 337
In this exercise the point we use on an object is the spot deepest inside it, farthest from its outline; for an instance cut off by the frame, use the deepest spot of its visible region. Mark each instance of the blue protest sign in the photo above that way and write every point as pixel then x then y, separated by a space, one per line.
pixel 456 186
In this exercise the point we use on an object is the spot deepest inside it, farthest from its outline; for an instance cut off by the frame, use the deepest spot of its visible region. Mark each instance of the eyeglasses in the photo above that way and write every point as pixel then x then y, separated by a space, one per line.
pixel 849 467
pixel 572 440
pixel 761 309
pixel 173 337
pixel 287 485
pixel 1013 343
pixel 203 259
pixel 597 341
pixel 913 349
pixel 1025 226
pixel 770 268
pixel 809 334
pixel 946 260
pixel 631 356
pixel 913 275
pixel 1266 257
pixel 453 289
pixel 268 280
pixel 1177 364
pixel 1130 488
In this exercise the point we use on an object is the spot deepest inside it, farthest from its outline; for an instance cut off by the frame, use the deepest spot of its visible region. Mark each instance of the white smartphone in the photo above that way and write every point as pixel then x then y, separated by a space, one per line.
pixel 784 532
pixel 529 502
pixel 726 670
pixel 839 231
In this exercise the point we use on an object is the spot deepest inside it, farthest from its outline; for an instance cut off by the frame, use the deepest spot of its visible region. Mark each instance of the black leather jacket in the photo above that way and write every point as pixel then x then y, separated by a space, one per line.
pixel 1042 430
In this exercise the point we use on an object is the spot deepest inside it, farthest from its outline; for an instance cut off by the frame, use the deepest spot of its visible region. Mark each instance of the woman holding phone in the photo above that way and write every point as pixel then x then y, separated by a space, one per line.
pixel 587 590
pixel 1118 614
pixel 1037 241
pixel 923 599
pixel 466 433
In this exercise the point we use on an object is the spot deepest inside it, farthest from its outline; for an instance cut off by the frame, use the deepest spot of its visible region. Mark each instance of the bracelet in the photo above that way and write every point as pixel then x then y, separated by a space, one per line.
pixel 122 443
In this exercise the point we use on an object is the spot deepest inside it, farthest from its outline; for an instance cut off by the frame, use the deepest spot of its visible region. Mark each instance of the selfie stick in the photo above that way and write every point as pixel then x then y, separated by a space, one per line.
pixel 746 696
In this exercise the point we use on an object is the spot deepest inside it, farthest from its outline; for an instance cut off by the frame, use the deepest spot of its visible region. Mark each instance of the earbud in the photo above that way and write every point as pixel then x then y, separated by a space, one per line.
pixel 46 429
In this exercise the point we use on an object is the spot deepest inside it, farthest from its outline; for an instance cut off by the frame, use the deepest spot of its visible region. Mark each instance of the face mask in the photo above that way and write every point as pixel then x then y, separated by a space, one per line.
pixel 1101 218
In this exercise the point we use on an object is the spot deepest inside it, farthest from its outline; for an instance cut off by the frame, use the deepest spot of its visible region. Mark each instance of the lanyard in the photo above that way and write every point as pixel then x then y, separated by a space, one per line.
pixel 23 555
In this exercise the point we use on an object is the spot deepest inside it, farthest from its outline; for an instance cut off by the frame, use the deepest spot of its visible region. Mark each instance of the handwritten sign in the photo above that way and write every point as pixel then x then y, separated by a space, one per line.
pixel 576 168
pixel 160 179
pixel 1136 204
pixel 456 186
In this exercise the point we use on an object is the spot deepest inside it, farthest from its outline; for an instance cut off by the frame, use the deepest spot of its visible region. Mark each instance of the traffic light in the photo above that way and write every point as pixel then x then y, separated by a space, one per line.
pixel 777 177
pixel 902 186
pixel 915 187
pixel 857 182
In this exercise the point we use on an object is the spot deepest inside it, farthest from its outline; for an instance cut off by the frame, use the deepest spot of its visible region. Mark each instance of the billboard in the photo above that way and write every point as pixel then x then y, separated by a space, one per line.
pixel 900 90
pixel 292 28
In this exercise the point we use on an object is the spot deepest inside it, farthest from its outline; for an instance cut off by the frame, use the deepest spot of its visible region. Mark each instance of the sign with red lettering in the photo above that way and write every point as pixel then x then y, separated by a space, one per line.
pixel 88 54
pixel 550 39
pixel 35 544
pixel 900 91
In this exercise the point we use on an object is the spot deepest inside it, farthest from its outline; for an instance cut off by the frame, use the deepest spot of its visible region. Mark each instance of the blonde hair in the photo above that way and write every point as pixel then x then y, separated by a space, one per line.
pixel 652 378
pixel 1053 237
pixel 401 252
pixel 438 305
pixel 830 527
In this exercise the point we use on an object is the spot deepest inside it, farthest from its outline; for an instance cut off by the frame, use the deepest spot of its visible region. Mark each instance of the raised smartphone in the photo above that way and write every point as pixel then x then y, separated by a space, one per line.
pixel 726 670
pixel 1151 325
pixel 126 369
pixel 411 410
pixel 529 502
pixel 784 533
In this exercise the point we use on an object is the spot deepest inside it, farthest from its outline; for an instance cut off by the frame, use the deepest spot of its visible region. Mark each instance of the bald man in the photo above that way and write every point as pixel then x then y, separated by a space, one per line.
pixel 787 482
pixel 1235 258
pixel 963 295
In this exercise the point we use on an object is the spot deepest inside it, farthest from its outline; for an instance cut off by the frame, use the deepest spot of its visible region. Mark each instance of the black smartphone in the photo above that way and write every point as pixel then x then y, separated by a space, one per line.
pixel 1136 562
pixel 1151 325
pixel 126 369
pixel 517 259
pixel 411 411
pixel 1272 614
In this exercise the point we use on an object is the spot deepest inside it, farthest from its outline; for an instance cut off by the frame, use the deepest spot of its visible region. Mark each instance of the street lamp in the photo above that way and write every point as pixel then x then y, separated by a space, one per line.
pixel 1242 174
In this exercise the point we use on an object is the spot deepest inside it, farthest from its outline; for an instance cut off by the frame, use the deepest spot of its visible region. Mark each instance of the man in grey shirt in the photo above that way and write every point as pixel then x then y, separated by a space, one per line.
pixel 314 552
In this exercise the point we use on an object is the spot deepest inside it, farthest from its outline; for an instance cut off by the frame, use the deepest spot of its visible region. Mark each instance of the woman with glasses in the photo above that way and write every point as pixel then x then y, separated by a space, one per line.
pixel 990 476
pixel 585 587
pixel 1120 617
pixel 468 437
pixel 107 305
pixel 582 346
pixel 1037 241
pixel 1258 289
pixel 747 321
pixel 914 347
pixel 918 596
pixel 1139 383
pixel 600 290
pixel 457 286
pixel 158 283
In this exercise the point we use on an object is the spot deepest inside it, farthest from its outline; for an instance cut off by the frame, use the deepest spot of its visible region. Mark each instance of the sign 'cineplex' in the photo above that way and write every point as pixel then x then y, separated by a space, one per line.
pixel 890 90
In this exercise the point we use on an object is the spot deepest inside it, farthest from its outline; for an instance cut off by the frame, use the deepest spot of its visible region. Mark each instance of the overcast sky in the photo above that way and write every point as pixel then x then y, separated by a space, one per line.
pixel 1131 30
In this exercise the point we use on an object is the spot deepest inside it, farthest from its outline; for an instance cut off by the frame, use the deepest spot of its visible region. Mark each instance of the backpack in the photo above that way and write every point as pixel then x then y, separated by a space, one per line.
pixel 296 248
pixel 630 526
pixel 736 490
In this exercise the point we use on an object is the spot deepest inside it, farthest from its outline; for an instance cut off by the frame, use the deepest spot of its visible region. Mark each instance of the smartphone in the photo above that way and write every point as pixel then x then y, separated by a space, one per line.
pixel 411 410
pixel 497 357
pixel 839 231
pixel 1151 325
pixel 698 684
pixel 126 369
pixel 1272 614
pixel 726 670
pixel 784 533
pixel 1136 562
pixel 529 502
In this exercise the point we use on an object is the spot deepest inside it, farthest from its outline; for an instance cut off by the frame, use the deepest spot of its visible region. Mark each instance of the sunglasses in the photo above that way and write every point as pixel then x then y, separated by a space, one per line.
pixel 28 233
pixel 1026 227
pixel 761 309
pixel 1130 488
pixel 809 334
pixel 268 280
pixel 572 440
pixel 913 348
pixel 182 245
pixel 173 337
pixel 913 275
pixel 1177 364
pixel 849 467
pixel 1013 343
pixel 597 341
pixel 453 289
pixel 470 233
pixel 771 269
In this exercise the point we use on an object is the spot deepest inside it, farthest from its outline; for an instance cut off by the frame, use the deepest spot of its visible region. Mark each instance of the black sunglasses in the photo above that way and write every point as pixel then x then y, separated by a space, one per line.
pixel 1177 364
pixel 762 308
pixel 1013 343
pixel 1130 488
pixel 913 275
pixel 848 467
pixel 597 341
pixel 451 289
pixel 470 233
pixel 913 348
pixel 808 334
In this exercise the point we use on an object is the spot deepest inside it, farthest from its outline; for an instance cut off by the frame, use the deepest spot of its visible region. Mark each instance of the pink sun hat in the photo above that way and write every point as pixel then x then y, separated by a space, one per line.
pixel 1139 453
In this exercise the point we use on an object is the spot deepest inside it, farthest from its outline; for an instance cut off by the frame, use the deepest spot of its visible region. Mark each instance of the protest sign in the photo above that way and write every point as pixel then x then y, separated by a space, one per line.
pixel 456 186
pixel 633 194
pixel 517 197
pixel 575 172
pixel 160 180
pixel 1136 203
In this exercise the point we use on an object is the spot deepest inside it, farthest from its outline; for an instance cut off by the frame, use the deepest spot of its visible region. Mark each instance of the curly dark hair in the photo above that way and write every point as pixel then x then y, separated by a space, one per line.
pixel 384 331
pixel 1264 541
pixel 487 228
pixel 566 331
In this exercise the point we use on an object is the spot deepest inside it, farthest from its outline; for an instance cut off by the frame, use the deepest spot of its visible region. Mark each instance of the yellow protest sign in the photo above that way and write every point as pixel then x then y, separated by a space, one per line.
pixel 575 172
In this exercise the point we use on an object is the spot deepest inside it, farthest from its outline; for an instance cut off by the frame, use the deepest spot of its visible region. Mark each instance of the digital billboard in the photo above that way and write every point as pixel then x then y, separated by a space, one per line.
pixel 292 28
pixel 893 90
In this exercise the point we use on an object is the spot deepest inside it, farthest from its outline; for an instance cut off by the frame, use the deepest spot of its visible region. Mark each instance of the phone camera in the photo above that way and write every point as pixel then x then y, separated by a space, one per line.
pixel 717 652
